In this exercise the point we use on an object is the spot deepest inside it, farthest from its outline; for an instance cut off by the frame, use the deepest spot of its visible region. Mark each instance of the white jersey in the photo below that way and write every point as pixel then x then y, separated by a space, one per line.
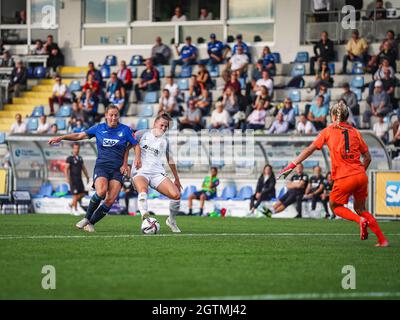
pixel 154 150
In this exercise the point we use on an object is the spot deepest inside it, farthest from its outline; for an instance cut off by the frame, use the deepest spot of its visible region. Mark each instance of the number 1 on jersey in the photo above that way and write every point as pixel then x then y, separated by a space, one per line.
pixel 346 141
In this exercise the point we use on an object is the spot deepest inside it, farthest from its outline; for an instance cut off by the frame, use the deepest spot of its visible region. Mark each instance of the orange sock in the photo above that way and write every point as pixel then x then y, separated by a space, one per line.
pixel 347 214
pixel 373 225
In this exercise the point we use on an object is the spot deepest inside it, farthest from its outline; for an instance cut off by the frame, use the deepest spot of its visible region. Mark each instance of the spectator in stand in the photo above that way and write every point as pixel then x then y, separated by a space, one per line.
pixel 288 113
pixel 55 60
pixel 18 126
pixel 92 84
pixel 220 118
pixel 320 8
pixel 95 73
pixel 265 189
pixel 350 99
pixel 381 129
pixel 172 87
pixel 76 114
pixel 323 50
pixel 237 64
pixel 389 85
pixel 380 73
pixel 203 103
pixel 79 127
pixel 256 119
pixel 279 126
pixel 50 44
pixel 379 104
pixel 264 81
pixel 379 13
pixel 357 50
pixel 39 49
pixel 179 16
pixel 119 101
pixel 167 103
pixel 204 78
pixel 125 75
pixel 304 126
pixel 268 61
pixel 191 118
pixel 160 53
pixel 315 188
pixel 230 101
pixel 53 129
pixel 6 61
pixel 264 95
pixel 323 91
pixel 89 105
pixel 18 80
pixel 43 126
pixel 21 19
pixel 205 14
pixel 234 83
pixel 256 74
pixel 390 36
pixel 113 85
pixel 194 87
pixel 240 43
pixel 60 94
pixel 187 55
pixel 323 77
pixel 216 51
pixel 386 52
pixel 318 113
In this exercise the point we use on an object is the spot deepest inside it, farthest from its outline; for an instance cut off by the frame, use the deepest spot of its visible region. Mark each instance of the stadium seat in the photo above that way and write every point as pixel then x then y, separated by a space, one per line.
pixel 186 72
pixel 64 112
pixel 278 164
pixel 110 61
pixel 30 71
pixel 136 60
pixel 151 97
pixel 277 57
pixel 218 163
pixel 296 110
pixel 39 72
pixel 228 193
pixel 357 82
pixel 357 68
pixel 245 193
pixel 282 192
pixel 38 111
pixel 183 84
pixel 309 164
pixel 295 95
pixel 213 70
pixel 153 194
pixel 331 67
pixel 46 189
pixel 2 137
pixel 301 57
pixel 62 188
pixel 146 110
pixel 298 69
pixel 134 71
pixel 105 72
pixel 75 85
pixel 32 124
pixel 161 71
pixel 185 164
pixel 61 124
pixel 242 82
pixel 188 191
pixel 143 123
pixel 358 93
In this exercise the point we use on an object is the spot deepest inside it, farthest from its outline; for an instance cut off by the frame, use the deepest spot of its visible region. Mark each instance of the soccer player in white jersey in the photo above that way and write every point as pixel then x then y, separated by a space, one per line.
pixel 154 147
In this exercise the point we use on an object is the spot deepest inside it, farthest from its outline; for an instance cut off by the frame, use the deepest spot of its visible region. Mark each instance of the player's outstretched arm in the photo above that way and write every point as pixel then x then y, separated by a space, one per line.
pixel 69 137
pixel 302 156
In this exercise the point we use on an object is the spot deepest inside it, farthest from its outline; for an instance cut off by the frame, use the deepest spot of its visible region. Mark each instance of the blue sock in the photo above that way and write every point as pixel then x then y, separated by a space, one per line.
pixel 93 205
pixel 99 214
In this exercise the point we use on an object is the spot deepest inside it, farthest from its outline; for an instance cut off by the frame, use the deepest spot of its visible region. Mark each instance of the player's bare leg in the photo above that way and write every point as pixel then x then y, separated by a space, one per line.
pixel 170 190
pixel 360 208
pixel 202 200
pixel 142 186
pixel 190 203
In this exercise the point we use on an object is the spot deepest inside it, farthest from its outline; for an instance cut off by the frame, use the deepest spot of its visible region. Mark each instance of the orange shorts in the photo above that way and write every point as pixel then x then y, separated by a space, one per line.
pixel 356 186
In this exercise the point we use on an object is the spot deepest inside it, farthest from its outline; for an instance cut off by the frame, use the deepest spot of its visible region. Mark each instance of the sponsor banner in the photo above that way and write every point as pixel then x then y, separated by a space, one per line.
pixel 387 194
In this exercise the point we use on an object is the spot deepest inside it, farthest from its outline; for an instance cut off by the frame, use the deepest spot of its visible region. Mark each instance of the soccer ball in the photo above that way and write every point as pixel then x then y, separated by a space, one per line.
pixel 150 226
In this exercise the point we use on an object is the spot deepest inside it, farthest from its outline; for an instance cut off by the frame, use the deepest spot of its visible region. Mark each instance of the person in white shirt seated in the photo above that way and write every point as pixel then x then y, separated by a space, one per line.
pixel 264 81
pixel 279 126
pixel 172 87
pixel 39 49
pixel 43 126
pixel 168 104
pixel 238 63
pixel 220 118
pixel 256 119
pixel 18 126
pixel 60 94
pixel 305 126
pixel 381 129
pixel 179 16
pixel 205 14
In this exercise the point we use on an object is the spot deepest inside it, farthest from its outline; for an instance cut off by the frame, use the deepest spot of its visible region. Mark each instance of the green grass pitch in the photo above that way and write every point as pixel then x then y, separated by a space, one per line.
pixel 213 258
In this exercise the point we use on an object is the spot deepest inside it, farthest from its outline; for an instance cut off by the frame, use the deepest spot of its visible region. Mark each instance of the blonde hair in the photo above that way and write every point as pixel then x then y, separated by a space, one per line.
pixel 340 111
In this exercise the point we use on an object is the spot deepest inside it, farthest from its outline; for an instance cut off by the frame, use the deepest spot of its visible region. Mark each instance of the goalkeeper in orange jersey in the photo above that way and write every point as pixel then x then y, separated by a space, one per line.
pixel 346 146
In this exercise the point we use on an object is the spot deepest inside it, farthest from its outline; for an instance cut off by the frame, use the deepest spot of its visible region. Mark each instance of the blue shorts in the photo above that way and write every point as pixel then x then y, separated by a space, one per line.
pixel 109 174
pixel 208 195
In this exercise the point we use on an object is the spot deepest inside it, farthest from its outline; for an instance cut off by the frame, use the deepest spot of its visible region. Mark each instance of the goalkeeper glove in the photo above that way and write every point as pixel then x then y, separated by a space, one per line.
pixel 286 171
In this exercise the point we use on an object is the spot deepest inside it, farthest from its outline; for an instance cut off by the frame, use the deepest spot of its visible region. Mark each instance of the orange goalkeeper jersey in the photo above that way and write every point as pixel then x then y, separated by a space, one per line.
pixel 345 145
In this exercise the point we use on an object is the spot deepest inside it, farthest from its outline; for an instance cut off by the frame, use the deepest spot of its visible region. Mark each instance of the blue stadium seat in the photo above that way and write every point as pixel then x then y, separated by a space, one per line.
pixel 38 111
pixel 296 110
pixel 295 95
pixel 30 71
pixel 161 71
pixel 278 164
pixel 242 82
pixel 282 192
pixel 213 69
pixel 185 164
pixel 188 191
pixel 217 163
pixel 357 68
pixel 228 193
pixel 61 124
pixel 151 97
pixel 75 85
pixel 143 123
pixel 298 69
pixel 153 194
pixel 62 187
pixel 245 193
pixel 357 82
pixel 358 93
pixel 32 124
pixel 46 189
pixel 183 84
pixel 134 71
pixel 110 61
pixel 146 110
pixel 39 72
pixel 105 72
pixel 301 57
pixel 64 111
pixel 277 57
pixel 309 164
pixel 331 67
pixel 2 137
pixel 136 60
pixel 186 72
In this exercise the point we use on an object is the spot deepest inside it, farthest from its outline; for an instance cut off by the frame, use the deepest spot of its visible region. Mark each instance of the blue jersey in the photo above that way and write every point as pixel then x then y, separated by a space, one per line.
pixel 244 46
pixel 188 51
pixel 216 48
pixel 111 144
pixel 269 58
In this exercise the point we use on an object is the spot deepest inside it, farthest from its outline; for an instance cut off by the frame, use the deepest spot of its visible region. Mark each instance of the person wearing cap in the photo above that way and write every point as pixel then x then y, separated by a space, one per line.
pixel 237 64
pixel 216 51
pixel 187 55
pixel 379 104
pixel 242 44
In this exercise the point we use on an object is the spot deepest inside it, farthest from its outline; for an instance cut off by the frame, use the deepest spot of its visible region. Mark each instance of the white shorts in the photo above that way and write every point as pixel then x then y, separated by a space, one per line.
pixel 154 179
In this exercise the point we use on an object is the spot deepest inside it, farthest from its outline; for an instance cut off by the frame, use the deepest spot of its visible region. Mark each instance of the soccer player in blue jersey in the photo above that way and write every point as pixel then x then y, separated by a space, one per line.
pixel 113 140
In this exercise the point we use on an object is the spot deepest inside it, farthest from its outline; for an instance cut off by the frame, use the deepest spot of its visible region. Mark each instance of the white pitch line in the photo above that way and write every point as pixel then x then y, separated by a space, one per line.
pixel 300 296
pixel 32 237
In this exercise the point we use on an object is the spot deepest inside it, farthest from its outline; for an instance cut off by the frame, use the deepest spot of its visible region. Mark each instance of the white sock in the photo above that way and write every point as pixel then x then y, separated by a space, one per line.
pixel 174 206
pixel 142 203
